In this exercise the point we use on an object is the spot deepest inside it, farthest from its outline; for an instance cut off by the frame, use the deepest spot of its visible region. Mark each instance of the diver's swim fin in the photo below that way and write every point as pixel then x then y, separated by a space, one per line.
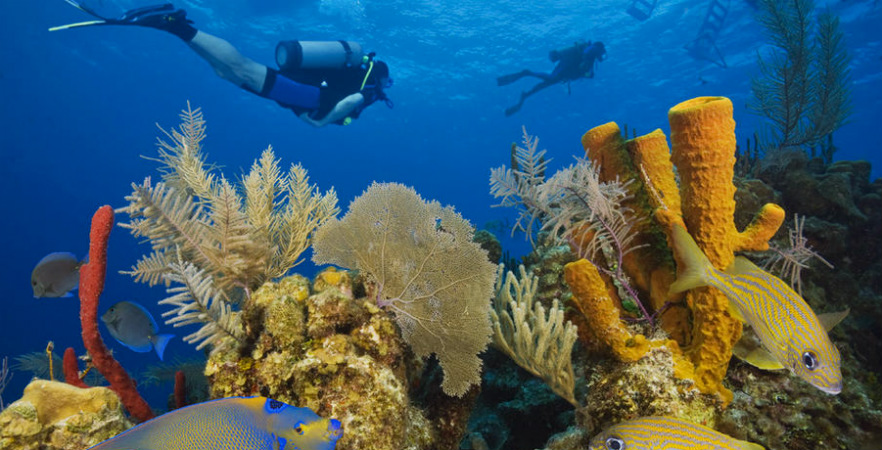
pixel 155 16
pixel 101 20
pixel 511 78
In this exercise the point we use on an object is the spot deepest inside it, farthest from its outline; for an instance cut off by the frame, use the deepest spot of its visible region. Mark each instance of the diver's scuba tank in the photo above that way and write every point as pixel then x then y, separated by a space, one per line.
pixel 557 54
pixel 293 55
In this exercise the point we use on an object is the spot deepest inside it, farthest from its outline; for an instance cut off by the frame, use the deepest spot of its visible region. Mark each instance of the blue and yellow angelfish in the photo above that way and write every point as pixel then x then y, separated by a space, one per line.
pixel 792 335
pixel 234 423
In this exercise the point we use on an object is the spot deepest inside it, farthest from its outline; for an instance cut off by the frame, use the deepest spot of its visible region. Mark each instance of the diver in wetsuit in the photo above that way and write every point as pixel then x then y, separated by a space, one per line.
pixel 321 81
pixel 573 63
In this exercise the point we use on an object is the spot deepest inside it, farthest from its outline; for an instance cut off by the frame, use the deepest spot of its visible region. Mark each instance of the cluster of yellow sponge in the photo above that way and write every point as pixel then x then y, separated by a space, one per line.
pixel 703 151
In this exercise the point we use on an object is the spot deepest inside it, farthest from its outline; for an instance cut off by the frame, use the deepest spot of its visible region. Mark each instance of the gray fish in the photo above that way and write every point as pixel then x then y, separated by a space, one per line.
pixel 56 275
pixel 133 326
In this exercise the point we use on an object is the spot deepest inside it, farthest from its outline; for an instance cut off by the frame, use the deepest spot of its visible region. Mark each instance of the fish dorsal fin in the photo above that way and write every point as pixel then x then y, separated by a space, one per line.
pixel 749 350
pixel 742 266
pixel 830 320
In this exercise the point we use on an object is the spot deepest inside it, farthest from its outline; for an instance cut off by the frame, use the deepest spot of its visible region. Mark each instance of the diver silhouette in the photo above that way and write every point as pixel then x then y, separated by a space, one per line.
pixel 321 81
pixel 573 63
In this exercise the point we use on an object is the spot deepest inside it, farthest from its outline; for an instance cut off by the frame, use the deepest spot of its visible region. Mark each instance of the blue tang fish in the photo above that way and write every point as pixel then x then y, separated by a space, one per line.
pixel 56 275
pixel 234 423
pixel 133 326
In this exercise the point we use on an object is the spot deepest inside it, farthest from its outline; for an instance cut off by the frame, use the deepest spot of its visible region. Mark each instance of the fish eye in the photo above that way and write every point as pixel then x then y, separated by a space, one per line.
pixel 614 443
pixel 299 428
pixel 33 282
pixel 810 360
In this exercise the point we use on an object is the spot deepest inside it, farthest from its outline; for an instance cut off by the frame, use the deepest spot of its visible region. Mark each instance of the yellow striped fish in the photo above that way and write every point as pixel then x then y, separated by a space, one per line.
pixel 234 423
pixel 665 433
pixel 790 332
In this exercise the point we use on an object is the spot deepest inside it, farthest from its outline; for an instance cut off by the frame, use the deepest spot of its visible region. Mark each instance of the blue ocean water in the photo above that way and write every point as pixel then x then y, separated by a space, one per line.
pixel 80 108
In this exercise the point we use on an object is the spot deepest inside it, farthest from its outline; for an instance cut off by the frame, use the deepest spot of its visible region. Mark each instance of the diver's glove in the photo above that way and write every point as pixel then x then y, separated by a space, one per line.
pixel 162 17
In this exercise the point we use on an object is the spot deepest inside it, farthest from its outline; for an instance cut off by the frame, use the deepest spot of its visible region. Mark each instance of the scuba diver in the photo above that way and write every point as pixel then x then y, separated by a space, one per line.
pixel 321 81
pixel 573 63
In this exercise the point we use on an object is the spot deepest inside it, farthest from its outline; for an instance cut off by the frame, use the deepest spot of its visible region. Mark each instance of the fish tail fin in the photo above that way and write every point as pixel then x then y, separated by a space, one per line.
pixel 160 342
pixel 695 262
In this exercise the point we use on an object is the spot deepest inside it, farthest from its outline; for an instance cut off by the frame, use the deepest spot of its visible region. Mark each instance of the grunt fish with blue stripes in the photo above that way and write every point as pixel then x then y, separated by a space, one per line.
pixel 665 433
pixel 792 335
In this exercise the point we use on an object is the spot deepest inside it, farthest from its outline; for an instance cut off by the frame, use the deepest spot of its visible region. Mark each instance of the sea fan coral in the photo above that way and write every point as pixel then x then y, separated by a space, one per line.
pixel 428 272
pixel 217 242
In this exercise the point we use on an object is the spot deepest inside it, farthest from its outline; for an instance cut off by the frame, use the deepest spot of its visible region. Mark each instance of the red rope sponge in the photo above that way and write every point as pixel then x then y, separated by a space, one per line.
pixel 92 276
pixel 180 389
pixel 72 370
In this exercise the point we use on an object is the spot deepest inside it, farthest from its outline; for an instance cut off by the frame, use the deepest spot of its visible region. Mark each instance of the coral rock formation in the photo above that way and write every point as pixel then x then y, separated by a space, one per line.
pixel 329 351
pixel 57 416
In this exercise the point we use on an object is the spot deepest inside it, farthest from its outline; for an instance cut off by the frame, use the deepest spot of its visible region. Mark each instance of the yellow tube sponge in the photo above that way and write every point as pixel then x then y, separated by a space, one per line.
pixel 703 142
pixel 591 296
pixel 651 154
pixel 604 146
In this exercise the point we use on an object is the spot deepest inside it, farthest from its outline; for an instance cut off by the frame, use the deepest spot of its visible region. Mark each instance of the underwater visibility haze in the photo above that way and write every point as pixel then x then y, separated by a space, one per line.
pixel 420 225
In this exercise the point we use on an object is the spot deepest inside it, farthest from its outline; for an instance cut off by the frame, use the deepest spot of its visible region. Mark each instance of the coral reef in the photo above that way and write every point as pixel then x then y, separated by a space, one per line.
pixel 647 387
pixel 775 410
pixel 616 211
pixel 842 208
pixel 769 408
pixel 329 351
pixel 57 416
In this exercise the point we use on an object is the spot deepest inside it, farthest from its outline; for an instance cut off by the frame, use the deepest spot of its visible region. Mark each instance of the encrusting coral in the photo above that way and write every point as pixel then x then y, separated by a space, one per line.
pixel 329 351
pixel 57 416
